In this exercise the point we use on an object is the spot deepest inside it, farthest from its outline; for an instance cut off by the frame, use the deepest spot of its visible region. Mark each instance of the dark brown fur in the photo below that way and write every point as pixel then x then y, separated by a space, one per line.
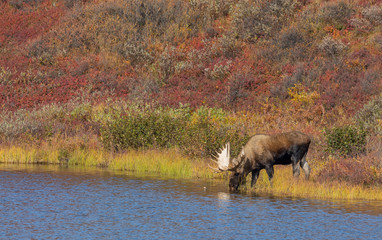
pixel 265 151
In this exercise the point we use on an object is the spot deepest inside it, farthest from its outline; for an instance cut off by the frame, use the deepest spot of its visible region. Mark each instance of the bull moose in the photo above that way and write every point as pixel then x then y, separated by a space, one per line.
pixel 262 152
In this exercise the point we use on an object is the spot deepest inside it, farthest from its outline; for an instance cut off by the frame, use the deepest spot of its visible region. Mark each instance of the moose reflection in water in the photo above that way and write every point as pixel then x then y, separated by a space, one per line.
pixel 262 152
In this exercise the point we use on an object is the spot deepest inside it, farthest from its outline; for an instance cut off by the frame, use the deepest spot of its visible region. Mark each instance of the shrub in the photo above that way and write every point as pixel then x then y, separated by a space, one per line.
pixel 290 38
pixel 19 4
pixel 141 89
pixel 332 47
pixel 373 14
pixel 135 53
pixel 281 90
pixel 300 96
pixel 73 3
pixel 337 14
pixel 200 133
pixel 219 71
pixel 368 81
pixel 349 170
pixel 209 129
pixel 143 127
pixel 36 124
pixel 370 116
pixel 238 84
pixel 346 140
pixel 359 23
pixel 280 8
pixel 46 121
pixel 229 46
pixel 214 8
pixel 5 76
pixel 252 20
pixel 378 41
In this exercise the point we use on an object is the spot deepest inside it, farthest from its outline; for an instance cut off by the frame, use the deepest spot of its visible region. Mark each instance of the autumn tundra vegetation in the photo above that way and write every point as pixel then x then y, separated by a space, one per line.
pixel 161 85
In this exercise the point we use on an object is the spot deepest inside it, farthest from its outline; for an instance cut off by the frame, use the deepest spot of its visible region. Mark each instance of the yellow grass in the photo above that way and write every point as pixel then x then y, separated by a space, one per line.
pixel 19 155
pixel 164 162
pixel 284 184
pixel 169 163
pixel 172 164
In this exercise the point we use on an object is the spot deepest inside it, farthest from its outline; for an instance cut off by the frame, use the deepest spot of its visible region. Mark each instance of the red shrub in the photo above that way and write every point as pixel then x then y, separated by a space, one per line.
pixel 20 25
pixel 352 170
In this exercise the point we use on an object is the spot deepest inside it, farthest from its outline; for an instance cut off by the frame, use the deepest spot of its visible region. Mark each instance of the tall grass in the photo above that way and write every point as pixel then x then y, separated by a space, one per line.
pixel 20 155
pixel 168 163
pixel 284 184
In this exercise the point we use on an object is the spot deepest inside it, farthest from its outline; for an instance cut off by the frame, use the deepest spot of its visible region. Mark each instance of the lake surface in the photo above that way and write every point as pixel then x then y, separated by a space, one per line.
pixel 43 202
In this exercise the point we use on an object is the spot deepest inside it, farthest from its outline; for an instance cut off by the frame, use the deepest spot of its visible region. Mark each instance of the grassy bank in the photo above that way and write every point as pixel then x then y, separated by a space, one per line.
pixel 167 163
pixel 171 163
pixel 284 184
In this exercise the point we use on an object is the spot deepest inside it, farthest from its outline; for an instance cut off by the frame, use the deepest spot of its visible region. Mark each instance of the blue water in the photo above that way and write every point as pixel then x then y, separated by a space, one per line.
pixel 56 203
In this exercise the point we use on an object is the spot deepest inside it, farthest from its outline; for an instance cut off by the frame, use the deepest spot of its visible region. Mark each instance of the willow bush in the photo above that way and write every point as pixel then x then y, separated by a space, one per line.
pixel 346 140
pixel 209 129
pixel 370 116
pixel 197 133
pixel 143 127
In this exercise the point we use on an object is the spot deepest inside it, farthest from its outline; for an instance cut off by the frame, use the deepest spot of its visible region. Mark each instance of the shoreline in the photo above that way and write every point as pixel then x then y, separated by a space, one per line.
pixel 170 163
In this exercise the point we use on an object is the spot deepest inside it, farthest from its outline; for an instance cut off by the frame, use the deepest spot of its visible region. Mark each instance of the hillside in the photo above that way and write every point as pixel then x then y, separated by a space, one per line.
pixel 230 54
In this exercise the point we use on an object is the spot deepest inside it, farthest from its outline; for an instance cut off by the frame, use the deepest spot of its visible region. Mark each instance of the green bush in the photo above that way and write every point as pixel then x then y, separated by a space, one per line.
pixel 198 133
pixel 144 127
pixel 208 130
pixel 346 140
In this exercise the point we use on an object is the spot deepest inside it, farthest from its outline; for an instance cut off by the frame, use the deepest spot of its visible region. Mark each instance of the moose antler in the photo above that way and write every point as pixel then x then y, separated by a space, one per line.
pixel 223 159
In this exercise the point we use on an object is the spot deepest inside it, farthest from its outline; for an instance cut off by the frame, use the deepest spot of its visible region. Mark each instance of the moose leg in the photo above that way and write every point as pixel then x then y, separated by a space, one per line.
pixel 255 176
pixel 270 172
pixel 243 179
pixel 305 166
pixel 296 168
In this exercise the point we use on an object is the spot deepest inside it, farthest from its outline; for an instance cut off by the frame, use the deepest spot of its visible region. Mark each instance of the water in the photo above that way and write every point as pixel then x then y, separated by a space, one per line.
pixel 56 203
